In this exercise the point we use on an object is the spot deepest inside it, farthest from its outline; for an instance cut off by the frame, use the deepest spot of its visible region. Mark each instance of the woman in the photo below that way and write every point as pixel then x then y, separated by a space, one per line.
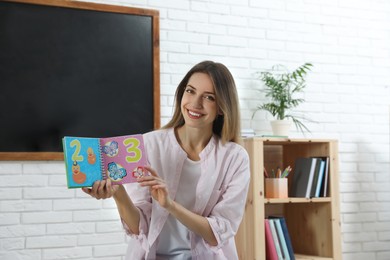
pixel 192 202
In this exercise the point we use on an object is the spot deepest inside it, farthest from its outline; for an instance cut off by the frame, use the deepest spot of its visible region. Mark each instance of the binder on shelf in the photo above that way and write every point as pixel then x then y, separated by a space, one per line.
pixel 270 249
pixel 286 234
pixel 303 177
pixel 324 186
pixel 282 240
pixel 320 179
pixel 316 177
pixel 275 238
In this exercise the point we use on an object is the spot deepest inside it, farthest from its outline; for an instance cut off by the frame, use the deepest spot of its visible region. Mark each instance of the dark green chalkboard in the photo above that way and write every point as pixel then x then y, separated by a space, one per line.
pixel 76 68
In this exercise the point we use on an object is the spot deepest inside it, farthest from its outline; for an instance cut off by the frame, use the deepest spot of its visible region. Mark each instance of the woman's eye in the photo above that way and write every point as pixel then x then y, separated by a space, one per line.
pixel 211 98
pixel 188 90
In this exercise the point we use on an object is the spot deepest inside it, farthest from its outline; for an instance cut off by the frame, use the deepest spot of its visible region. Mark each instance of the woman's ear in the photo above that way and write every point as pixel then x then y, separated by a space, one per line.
pixel 219 114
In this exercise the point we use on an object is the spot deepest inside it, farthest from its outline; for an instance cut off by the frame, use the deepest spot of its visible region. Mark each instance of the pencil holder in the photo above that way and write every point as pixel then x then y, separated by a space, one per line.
pixel 276 188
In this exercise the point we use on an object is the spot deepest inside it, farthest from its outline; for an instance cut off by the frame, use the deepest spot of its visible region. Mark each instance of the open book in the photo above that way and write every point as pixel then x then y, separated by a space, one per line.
pixel 120 158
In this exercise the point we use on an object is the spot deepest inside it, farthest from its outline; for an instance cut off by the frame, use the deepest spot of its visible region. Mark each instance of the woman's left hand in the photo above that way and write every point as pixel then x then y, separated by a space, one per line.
pixel 158 187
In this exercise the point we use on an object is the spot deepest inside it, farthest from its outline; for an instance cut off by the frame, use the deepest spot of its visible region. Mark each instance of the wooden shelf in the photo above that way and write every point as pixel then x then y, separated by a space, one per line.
pixel 313 224
pixel 298 200
pixel 310 257
pixel 31 156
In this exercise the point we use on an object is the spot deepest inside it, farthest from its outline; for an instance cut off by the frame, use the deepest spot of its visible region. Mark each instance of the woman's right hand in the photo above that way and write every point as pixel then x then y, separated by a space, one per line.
pixel 101 189
pixel 157 186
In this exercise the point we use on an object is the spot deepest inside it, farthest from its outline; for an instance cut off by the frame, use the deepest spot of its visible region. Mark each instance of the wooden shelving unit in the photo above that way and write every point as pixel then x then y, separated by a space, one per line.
pixel 313 224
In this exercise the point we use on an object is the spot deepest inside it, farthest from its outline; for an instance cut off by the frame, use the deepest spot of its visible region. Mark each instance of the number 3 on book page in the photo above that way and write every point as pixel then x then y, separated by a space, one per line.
pixel 76 155
pixel 132 147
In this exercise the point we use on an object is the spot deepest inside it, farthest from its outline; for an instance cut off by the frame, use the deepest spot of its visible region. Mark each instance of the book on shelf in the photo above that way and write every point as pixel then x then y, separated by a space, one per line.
pixel 287 238
pixel 119 158
pixel 282 240
pixel 274 136
pixel 275 238
pixel 324 185
pixel 303 177
pixel 316 176
pixel 281 225
pixel 320 179
pixel 248 132
pixel 270 249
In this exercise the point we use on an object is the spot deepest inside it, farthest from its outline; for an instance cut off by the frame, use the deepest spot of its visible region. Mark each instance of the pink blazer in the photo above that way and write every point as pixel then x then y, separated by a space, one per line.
pixel 221 195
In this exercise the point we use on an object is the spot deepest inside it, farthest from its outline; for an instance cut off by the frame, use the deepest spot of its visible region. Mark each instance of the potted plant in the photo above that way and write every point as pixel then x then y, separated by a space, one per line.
pixel 281 87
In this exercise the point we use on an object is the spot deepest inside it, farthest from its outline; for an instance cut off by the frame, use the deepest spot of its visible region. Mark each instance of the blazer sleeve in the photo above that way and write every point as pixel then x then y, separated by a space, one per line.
pixel 226 215
pixel 140 196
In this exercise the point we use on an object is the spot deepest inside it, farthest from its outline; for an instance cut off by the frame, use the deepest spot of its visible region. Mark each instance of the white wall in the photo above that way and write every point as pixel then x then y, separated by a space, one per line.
pixel 348 94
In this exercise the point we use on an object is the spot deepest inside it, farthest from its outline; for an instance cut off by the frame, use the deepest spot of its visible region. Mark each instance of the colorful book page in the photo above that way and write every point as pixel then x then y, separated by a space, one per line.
pixel 82 161
pixel 123 158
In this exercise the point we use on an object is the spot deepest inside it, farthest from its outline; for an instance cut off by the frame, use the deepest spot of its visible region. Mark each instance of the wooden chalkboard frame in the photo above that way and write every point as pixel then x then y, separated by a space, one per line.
pixel 154 14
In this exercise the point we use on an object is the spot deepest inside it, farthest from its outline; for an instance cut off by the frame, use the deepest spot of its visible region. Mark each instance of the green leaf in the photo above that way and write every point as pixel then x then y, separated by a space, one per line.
pixel 280 88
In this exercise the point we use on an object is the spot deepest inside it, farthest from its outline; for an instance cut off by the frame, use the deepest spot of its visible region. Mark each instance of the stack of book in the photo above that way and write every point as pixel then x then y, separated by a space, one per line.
pixel 277 239
pixel 310 177
pixel 247 132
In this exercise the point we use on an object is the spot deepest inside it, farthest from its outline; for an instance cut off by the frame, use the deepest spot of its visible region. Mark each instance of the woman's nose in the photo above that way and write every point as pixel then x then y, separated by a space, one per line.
pixel 198 102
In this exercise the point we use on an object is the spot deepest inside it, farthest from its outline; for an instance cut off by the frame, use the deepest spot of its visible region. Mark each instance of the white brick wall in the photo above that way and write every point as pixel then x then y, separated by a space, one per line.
pixel 348 94
pixel 41 219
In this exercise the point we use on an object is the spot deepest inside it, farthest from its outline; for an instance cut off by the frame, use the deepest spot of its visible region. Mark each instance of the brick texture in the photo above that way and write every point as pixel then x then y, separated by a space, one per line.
pixel 347 94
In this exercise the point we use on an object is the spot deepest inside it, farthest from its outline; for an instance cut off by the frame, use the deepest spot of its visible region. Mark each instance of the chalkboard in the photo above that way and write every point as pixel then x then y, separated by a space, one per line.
pixel 74 68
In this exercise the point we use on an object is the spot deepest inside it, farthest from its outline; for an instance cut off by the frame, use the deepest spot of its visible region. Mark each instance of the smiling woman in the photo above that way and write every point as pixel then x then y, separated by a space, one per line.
pixel 191 204
pixel 198 104
pixel 227 123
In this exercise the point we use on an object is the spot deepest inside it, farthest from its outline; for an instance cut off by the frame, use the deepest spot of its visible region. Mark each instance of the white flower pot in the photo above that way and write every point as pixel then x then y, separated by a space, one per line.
pixel 281 127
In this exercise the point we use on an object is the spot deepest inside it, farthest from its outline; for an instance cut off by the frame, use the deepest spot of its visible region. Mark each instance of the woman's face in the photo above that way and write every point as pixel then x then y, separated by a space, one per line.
pixel 198 105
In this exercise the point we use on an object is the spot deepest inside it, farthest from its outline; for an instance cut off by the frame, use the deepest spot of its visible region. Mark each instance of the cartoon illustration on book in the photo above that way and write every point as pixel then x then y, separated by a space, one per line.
pixel 117 172
pixel 118 158
pixel 91 156
pixel 138 172
pixel 78 176
pixel 111 148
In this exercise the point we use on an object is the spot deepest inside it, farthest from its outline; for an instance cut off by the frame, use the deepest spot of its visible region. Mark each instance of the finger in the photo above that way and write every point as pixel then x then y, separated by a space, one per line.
pixel 86 190
pixel 101 188
pixel 148 178
pixel 158 187
pixel 95 187
pixel 149 182
pixel 110 188
pixel 109 185
pixel 151 170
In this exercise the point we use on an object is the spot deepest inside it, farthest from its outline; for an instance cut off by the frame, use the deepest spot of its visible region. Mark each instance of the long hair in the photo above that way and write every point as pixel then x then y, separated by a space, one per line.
pixel 227 125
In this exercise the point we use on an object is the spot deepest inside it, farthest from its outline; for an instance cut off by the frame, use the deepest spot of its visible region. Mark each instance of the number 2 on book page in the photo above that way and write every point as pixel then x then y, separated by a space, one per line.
pixel 132 147
pixel 76 155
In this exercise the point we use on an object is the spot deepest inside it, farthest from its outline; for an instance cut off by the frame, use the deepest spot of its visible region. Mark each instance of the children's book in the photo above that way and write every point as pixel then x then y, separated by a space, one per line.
pixel 276 239
pixel 303 177
pixel 270 249
pixel 282 228
pixel 119 158
pixel 282 240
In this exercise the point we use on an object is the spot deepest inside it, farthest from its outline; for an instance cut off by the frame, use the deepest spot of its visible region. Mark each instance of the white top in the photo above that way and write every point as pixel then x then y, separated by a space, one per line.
pixel 220 195
pixel 174 239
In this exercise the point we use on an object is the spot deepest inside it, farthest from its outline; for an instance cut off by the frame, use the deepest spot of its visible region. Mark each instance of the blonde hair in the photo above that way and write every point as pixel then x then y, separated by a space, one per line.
pixel 227 125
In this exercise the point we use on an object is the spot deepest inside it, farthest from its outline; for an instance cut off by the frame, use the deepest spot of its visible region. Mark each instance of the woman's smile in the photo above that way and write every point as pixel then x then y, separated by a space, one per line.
pixel 193 114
